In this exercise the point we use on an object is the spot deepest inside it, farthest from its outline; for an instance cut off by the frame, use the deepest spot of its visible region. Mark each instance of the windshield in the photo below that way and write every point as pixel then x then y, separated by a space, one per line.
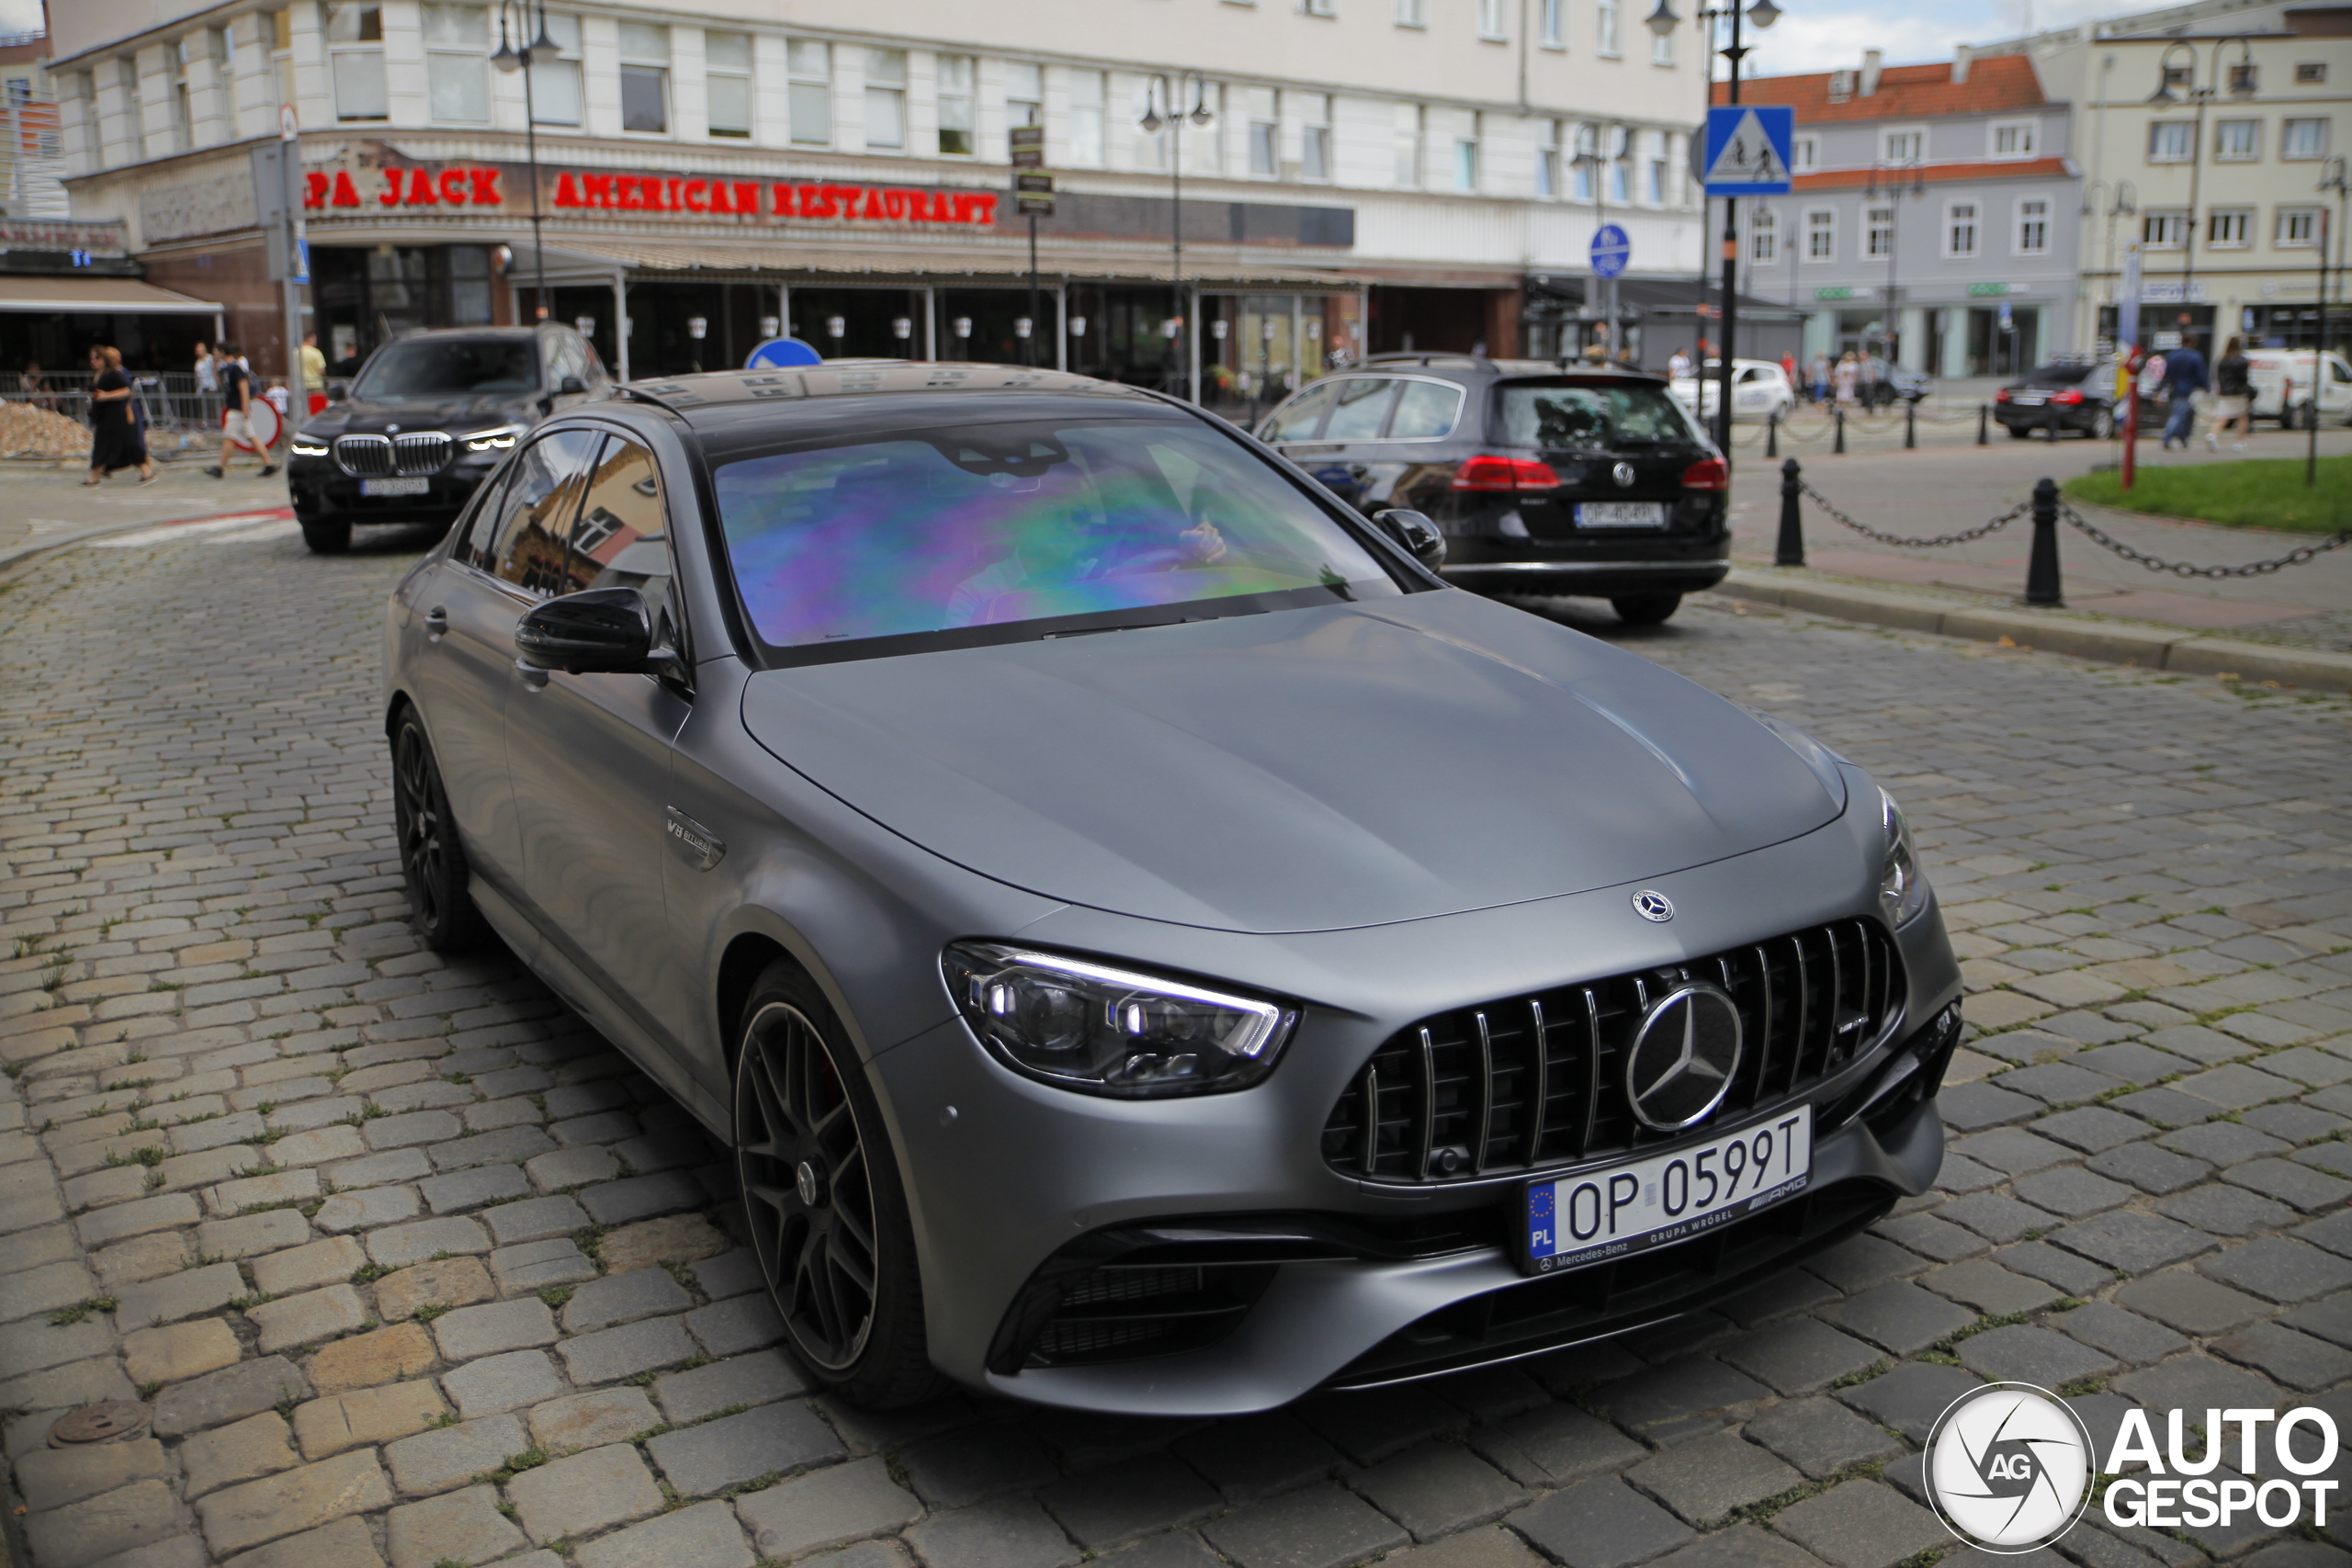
pixel 455 367
pixel 1593 418
pixel 970 527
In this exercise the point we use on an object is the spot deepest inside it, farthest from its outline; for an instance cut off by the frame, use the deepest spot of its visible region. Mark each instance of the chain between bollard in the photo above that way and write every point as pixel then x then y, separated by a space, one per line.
pixel 2003 521
pixel 2182 569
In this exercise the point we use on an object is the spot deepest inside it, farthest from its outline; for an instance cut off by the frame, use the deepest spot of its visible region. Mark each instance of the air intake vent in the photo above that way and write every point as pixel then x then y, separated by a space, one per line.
pixel 1530 1081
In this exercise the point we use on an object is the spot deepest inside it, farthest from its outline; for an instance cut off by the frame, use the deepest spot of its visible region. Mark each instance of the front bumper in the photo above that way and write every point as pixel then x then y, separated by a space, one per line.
pixel 322 493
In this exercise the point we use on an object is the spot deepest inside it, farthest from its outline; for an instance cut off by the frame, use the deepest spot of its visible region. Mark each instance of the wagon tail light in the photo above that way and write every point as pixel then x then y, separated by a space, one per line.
pixel 1707 473
pixel 2002 396
pixel 1505 473
pixel 2072 396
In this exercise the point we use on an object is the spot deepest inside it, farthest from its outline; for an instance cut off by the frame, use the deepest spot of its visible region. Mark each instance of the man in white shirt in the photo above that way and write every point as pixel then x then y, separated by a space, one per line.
pixel 1678 367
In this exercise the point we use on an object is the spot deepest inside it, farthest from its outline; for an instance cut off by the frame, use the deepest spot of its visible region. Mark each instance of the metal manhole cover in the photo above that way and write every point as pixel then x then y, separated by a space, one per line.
pixel 110 1422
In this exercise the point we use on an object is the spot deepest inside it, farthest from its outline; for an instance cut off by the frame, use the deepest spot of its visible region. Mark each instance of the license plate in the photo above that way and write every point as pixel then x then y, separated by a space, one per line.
pixel 395 487
pixel 1621 515
pixel 2029 403
pixel 1573 1220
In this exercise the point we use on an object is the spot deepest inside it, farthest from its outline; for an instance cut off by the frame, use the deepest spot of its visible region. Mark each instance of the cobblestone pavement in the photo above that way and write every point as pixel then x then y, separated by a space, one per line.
pixel 415 1270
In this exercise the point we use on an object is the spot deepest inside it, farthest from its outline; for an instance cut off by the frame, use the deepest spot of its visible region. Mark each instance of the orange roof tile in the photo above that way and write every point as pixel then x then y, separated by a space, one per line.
pixel 1939 173
pixel 1995 84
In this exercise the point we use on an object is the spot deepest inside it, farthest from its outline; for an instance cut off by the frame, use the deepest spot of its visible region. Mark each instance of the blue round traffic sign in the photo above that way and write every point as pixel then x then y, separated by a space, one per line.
pixel 782 354
pixel 1610 251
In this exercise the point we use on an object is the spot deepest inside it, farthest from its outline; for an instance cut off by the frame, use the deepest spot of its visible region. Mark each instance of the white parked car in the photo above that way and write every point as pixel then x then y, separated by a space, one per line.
pixel 1760 390
pixel 2282 379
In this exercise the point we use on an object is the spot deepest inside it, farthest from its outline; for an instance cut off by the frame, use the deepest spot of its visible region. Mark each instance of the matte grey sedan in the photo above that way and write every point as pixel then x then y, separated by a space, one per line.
pixel 1152 945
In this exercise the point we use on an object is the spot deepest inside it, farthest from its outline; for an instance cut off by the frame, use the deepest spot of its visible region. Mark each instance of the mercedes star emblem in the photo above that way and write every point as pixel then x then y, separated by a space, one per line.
pixel 1653 905
pixel 1624 474
pixel 1683 1056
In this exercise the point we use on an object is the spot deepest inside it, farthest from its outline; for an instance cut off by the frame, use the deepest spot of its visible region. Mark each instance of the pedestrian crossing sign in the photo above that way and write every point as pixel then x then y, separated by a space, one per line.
pixel 1748 149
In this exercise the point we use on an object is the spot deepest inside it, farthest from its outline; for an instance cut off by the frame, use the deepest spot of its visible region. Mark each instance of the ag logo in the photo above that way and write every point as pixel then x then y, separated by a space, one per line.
pixel 2008 1467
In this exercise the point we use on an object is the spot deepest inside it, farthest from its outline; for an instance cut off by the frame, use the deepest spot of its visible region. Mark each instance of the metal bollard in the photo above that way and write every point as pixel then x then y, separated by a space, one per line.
pixel 2050 421
pixel 1790 551
pixel 1984 416
pixel 1910 426
pixel 1773 433
pixel 2041 567
pixel 1840 448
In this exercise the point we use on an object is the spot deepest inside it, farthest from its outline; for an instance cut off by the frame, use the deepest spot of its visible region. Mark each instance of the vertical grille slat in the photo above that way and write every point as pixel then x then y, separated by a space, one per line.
pixel 1520 1083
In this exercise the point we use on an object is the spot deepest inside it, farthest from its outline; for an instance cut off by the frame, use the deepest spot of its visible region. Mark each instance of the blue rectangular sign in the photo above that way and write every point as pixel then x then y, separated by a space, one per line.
pixel 1748 149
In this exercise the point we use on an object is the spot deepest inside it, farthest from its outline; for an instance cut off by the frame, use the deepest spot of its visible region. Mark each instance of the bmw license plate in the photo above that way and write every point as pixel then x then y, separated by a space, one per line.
pixel 395 487
pixel 1621 515
pixel 1596 1215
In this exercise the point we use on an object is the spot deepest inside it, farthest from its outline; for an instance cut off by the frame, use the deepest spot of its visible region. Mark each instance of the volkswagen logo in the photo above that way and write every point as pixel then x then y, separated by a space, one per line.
pixel 1653 905
pixel 1624 474
pixel 1682 1059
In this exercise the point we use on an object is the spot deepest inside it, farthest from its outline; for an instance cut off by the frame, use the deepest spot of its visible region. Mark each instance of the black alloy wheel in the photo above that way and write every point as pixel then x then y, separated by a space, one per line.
pixel 433 863
pixel 822 1191
pixel 2102 426
pixel 327 538
pixel 1645 609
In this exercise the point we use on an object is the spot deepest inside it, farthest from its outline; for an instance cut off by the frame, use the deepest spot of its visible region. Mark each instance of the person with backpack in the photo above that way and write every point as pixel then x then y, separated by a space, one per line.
pixel 2184 378
pixel 237 393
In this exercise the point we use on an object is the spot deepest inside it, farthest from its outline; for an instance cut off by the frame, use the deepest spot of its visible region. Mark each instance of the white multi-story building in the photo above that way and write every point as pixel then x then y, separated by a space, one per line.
pixel 1374 174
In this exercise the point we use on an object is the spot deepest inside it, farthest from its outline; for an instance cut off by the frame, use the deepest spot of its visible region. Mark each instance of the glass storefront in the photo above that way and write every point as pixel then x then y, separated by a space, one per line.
pixel 368 294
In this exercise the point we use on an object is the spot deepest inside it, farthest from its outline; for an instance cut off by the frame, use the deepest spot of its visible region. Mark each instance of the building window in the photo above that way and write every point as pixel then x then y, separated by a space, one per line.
pixel 2303 138
pixel 1086 119
pixel 281 53
pixel 1878 230
pixel 1620 169
pixel 1412 13
pixel 1821 235
pixel 1903 147
pixel 355 61
pixel 645 78
pixel 726 83
pixel 1661 49
pixel 2172 141
pixel 808 65
pixel 1654 183
pixel 2034 227
pixel 1551 26
pixel 224 50
pixel 2297 227
pixel 1205 148
pixel 1265 130
pixel 1024 93
pixel 1319 8
pixel 956 134
pixel 1465 154
pixel 1587 154
pixel 2245 76
pixel 457 62
pixel 1606 17
pixel 1409 118
pixel 885 100
pixel 182 127
pixel 2230 228
pixel 1960 229
pixel 1314 113
pixel 2164 231
pixel 555 85
pixel 1805 154
pixel 2015 140
pixel 1491 24
pixel 1763 235
pixel 2237 140
pixel 1547 160
pixel 2310 73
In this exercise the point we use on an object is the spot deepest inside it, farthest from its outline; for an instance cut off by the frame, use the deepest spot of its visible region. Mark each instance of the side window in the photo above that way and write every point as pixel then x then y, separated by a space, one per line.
pixel 568 361
pixel 1300 418
pixel 1426 410
pixel 622 538
pixel 1361 409
pixel 481 522
pixel 531 546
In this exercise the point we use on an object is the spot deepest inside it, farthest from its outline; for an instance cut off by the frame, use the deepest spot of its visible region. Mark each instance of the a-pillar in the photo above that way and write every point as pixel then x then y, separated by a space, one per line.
pixel 620 323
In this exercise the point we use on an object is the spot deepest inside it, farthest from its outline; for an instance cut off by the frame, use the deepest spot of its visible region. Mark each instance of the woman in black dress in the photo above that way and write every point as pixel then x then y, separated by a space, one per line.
pixel 115 440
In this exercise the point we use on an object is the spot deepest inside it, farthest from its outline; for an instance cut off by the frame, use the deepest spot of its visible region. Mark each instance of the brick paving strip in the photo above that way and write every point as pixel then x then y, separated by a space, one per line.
pixel 415 1270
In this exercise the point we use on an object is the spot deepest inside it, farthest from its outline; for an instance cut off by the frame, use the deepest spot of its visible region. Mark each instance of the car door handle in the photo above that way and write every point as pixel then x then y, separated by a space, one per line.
pixel 533 676
pixel 436 621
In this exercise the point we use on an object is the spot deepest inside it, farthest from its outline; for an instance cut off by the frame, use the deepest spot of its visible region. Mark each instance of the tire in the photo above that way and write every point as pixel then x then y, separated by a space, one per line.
pixel 326 538
pixel 822 1191
pixel 1645 609
pixel 2102 426
pixel 2018 433
pixel 433 863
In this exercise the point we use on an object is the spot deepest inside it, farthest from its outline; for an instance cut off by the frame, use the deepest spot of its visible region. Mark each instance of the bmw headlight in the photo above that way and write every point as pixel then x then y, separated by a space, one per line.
pixel 1902 890
pixel 503 439
pixel 309 446
pixel 1086 1026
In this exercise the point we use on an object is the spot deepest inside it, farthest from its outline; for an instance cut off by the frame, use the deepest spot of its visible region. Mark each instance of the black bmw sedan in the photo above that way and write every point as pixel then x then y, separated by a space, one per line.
pixel 1544 479
pixel 428 418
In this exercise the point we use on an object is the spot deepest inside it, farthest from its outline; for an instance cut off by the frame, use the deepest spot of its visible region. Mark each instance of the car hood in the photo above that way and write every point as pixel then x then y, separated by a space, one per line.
pixel 355 417
pixel 1307 770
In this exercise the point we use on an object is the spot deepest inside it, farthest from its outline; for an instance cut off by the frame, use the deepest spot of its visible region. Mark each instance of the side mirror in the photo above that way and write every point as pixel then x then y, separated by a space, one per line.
pixel 597 630
pixel 571 386
pixel 1416 533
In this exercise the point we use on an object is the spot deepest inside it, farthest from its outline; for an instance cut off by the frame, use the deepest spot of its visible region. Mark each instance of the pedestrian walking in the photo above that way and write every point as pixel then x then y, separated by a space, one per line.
pixel 2184 378
pixel 115 440
pixel 208 380
pixel 1678 367
pixel 314 375
pixel 237 392
pixel 1818 379
pixel 2232 394
pixel 1850 376
pixel 1788 367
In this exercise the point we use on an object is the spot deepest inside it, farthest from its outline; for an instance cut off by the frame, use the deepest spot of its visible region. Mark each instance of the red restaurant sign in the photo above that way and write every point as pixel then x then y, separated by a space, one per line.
pixel 480 186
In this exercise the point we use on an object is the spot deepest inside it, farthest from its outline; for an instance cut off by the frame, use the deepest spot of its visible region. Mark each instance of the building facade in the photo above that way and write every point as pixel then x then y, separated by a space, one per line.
pixel 1372 174
pixel 1934 218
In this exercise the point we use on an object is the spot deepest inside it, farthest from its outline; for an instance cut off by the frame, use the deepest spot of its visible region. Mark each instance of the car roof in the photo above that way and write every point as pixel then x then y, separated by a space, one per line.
pixel 724 397
pixel 421 335
pixel 1458 365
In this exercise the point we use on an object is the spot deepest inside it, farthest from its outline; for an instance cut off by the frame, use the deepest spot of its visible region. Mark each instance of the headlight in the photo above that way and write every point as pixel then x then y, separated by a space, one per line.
pixel 503 439
pixel 1102 1031
pixel 1902 890
pixel 309 446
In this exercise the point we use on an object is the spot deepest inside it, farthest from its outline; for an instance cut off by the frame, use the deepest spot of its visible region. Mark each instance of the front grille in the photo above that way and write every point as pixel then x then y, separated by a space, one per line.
pixel 1530 1081
pixel 1126 1311
pixel 380 456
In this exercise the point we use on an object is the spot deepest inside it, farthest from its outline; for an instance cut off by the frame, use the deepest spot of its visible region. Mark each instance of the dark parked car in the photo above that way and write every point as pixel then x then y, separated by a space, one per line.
pixel 1542 480
pixel 1891 384
pixel 428 418
pixel 1005 807
pixel 2076 395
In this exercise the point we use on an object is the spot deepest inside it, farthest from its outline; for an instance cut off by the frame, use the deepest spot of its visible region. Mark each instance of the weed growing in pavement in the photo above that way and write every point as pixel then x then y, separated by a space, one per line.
pixel 247 1303
pixel 555 1296
pixel 446 1418
pixel 66 1316
pixel 367 1273
pixel 289 1399
pixel 1877 1369
pixel 154 1180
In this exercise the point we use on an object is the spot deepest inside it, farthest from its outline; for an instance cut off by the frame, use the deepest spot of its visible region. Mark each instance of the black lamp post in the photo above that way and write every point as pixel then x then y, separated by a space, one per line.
pixel 1202 116
pixel 538 51
pixel 1763 13
pixel 1886 179
pixel 1599 158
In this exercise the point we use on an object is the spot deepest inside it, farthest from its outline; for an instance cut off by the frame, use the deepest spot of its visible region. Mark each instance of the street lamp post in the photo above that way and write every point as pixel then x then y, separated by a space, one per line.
pixel 1202 116
pixel 1599 159
pixel 2334 177
pixel 1892 188
pixel 2123 201
pixel 538 51
pixel 1763 13
pixel 2241 85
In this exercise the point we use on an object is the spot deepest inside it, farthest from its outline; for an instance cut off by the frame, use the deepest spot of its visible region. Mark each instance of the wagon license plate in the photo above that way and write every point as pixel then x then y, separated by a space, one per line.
pixel 1621 515
pixel 1573 1220
pixel 395 487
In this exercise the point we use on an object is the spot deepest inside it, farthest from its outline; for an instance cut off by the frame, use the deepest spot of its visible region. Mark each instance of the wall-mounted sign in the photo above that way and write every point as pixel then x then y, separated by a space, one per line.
pixel 1028 144
pixel 479 186
pixel 1032 194
pixel 1987 290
